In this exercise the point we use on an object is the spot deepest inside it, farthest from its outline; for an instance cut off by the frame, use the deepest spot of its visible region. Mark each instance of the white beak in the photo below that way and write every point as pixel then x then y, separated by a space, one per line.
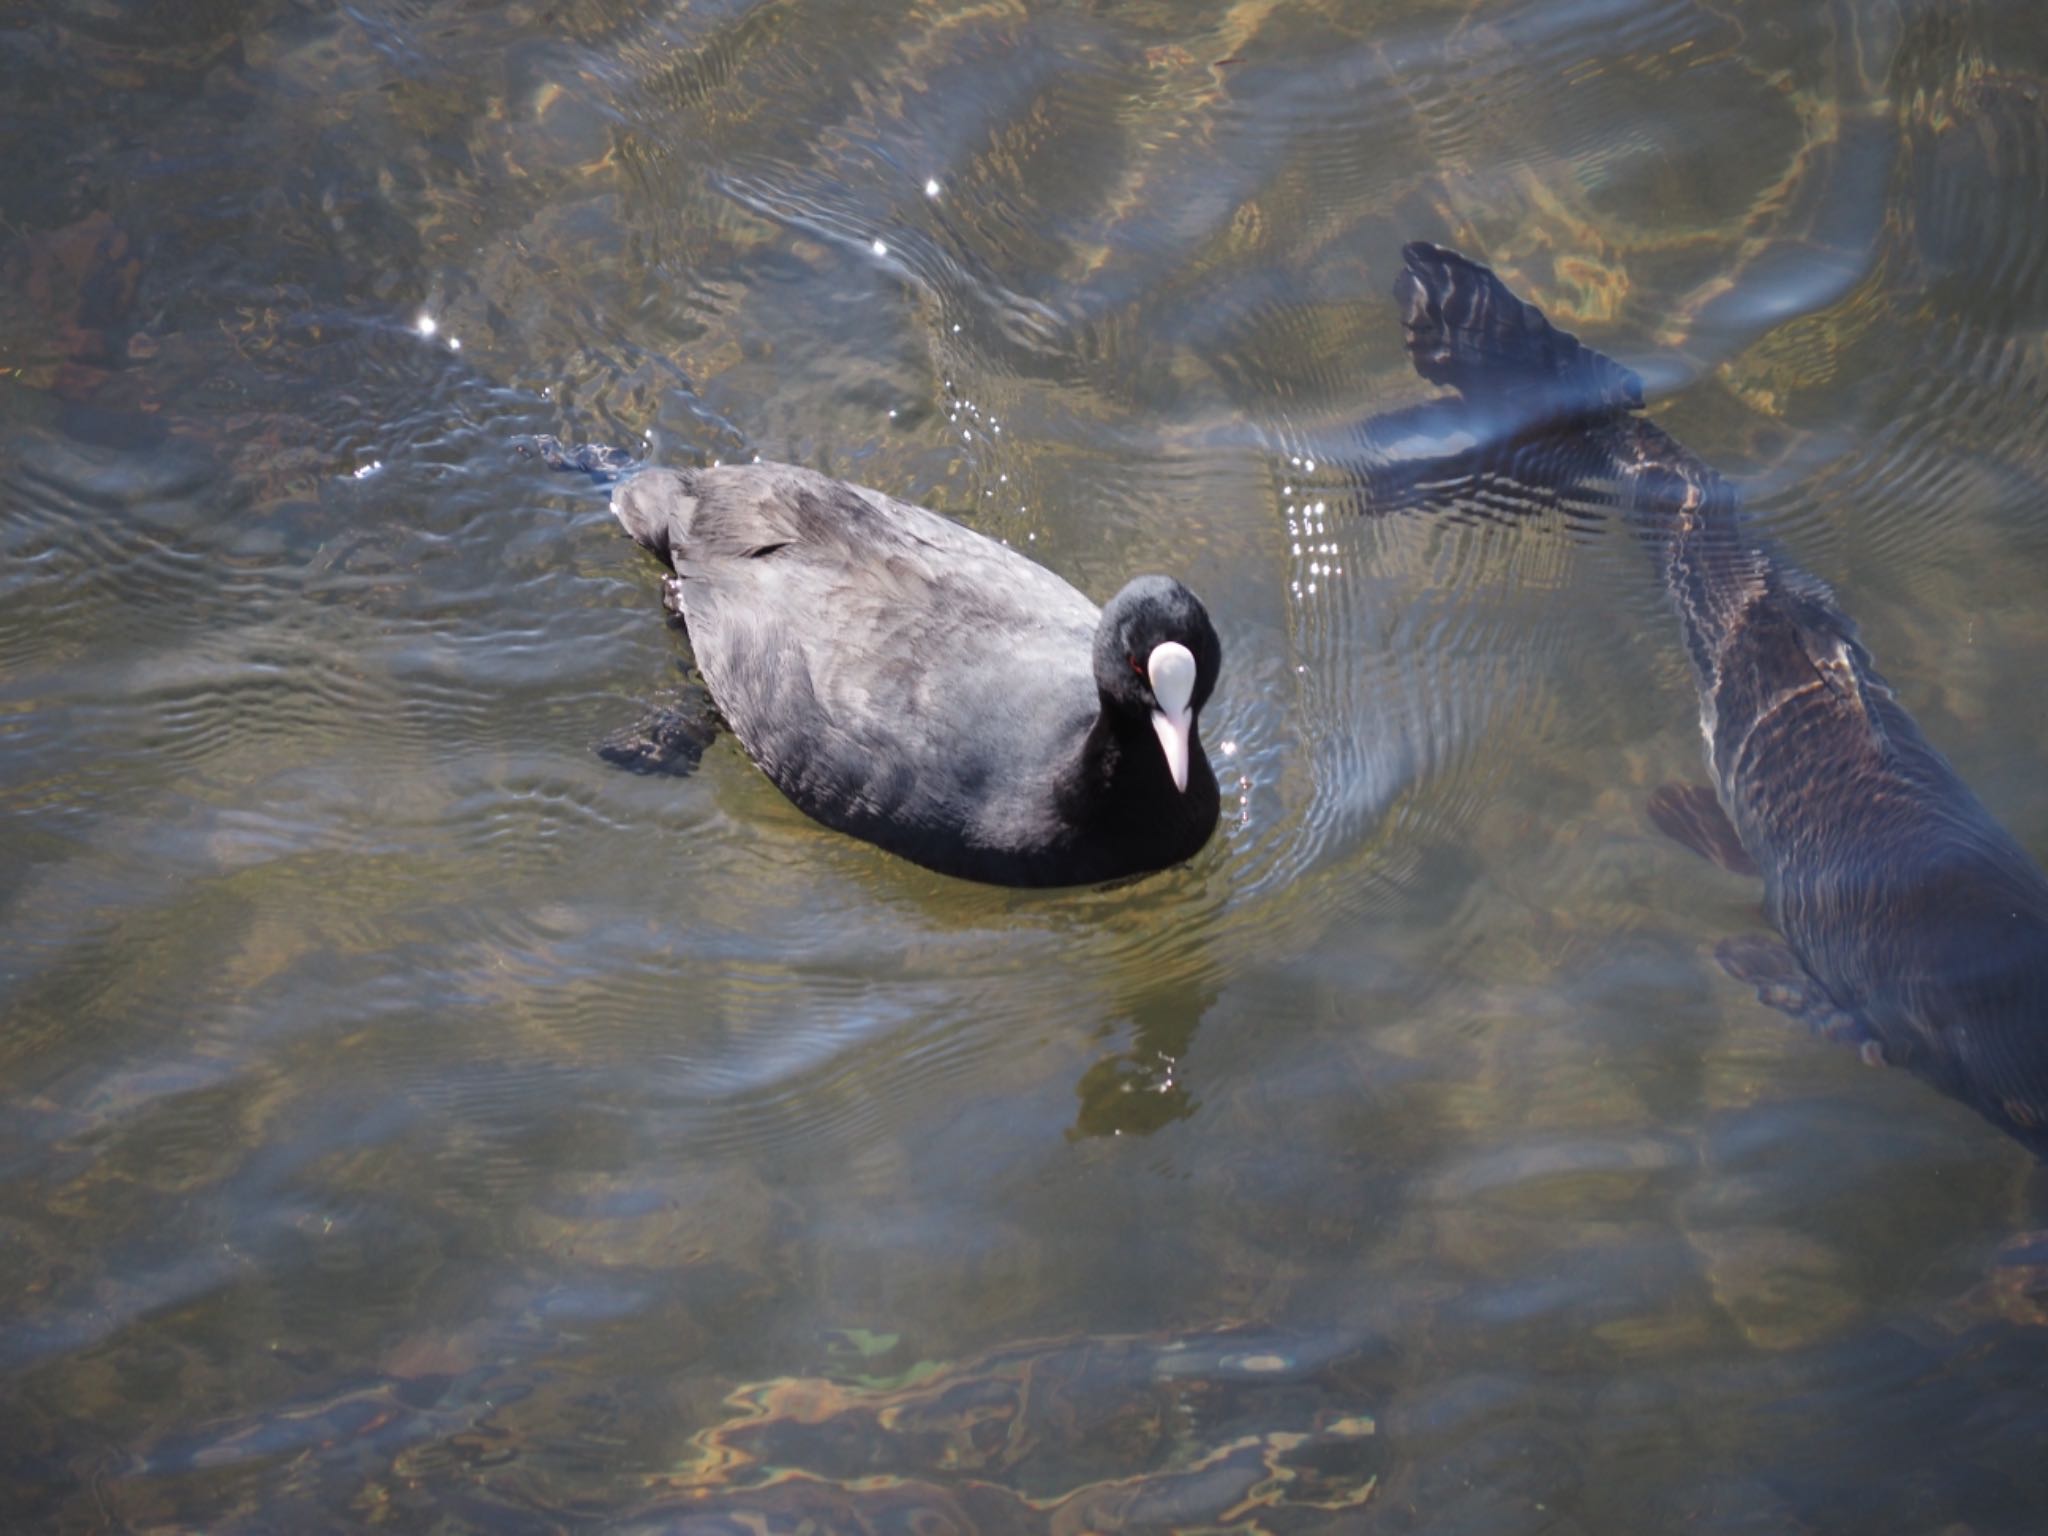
pixel 1171 671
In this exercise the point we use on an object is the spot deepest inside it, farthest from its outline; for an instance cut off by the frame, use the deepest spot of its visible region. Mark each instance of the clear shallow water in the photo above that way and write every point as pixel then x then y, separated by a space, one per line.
pixel 412 1123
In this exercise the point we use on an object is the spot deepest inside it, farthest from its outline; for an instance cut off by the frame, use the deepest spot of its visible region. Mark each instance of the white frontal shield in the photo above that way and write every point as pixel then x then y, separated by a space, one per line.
pixel 1171 670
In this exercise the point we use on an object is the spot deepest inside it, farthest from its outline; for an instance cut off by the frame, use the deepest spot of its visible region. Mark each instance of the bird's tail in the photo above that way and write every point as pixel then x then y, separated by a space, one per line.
pixel 655 507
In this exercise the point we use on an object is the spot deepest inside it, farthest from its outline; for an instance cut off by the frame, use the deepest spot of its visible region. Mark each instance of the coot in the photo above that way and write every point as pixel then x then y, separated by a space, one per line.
pixel 910 682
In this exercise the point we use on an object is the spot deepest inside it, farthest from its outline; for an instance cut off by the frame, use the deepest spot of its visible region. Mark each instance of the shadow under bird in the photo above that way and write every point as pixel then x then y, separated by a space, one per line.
pixel 1914 925
pixel 911 682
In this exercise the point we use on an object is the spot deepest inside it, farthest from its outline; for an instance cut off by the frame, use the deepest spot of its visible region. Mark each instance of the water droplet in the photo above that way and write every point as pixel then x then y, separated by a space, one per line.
pixel 426 324
pixel 931 187
pixel 879 248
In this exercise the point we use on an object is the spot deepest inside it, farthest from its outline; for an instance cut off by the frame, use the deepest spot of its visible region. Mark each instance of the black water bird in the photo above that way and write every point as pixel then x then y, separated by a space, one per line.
pixel 916 684
pixel 1914 925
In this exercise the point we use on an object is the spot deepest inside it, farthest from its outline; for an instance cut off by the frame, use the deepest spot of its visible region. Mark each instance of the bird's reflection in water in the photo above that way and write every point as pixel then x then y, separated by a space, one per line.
pixel 1140 1088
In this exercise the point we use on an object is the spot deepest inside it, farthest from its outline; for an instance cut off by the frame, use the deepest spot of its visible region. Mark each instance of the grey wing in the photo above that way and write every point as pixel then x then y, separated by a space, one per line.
pixel 874 658
pixel 700 519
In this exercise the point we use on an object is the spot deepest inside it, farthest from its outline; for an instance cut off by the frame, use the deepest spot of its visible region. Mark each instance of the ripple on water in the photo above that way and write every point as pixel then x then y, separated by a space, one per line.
pixel 92 536
pixel 788 1031
pixel 1976 142
pixel 1947 382
pixel 1420 639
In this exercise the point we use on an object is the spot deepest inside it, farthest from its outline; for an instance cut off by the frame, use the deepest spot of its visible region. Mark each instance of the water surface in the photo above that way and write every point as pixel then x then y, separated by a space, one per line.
pixel 412 1123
